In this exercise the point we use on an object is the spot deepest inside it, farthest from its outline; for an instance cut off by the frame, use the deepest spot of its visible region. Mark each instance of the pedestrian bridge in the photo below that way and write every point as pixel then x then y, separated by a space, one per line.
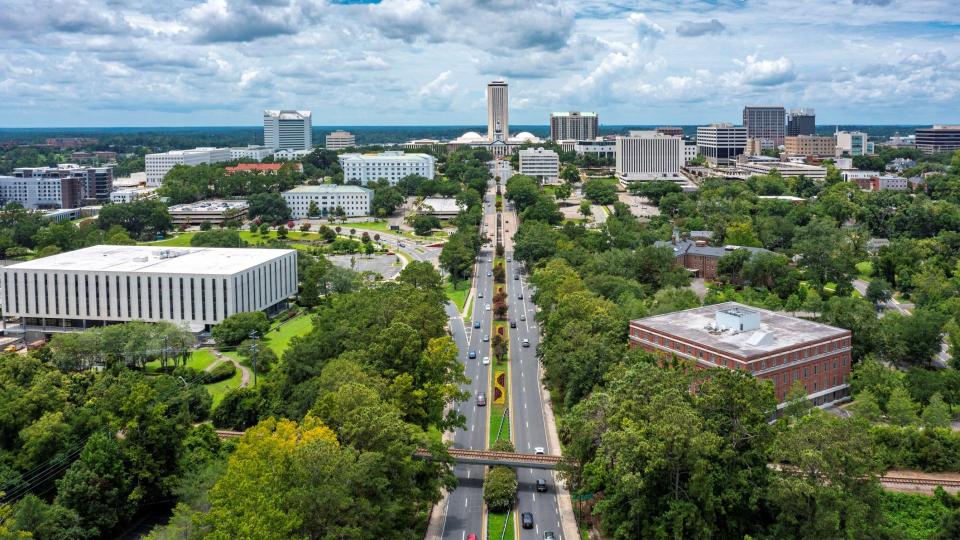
pixel 471 457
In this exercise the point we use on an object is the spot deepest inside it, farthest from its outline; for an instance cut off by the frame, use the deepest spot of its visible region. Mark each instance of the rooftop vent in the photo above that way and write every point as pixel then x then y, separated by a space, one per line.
pixel 737 319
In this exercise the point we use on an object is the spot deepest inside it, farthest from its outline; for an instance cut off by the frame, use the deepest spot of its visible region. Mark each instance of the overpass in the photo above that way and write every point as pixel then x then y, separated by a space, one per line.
pixel 470 457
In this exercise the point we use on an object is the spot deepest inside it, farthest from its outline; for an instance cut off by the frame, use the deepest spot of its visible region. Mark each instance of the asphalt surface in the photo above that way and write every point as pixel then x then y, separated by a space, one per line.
pixel 464 513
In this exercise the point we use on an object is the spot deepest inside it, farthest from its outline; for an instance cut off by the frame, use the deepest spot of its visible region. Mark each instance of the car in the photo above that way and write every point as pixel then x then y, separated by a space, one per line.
pixel 520 296
pixel 516 277
pixel 476 324
pixel 401 244
pixel 513 324
pixel 471 536
pixel 526 519
pixel 541 485
pixel 487 338
pixel 539 451
pixel 486 360
pixel 481 399
pixel 488 307
pixel 548 535
pixel 523 317
pixel 509 259
pixel 472 354
pixel 526 343
pixel 480 294
pixel 489 273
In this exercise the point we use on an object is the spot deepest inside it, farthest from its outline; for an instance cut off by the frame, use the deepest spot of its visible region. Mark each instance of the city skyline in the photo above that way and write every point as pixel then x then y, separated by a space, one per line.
pixel 103 63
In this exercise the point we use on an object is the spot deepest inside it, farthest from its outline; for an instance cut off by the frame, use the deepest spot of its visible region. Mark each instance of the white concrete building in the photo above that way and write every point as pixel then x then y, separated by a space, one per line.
pixel 291 155
pixel 40 192
pixel 254 152
pixel 339 139
pixel 540 163
pixel 287 130
pixel 853 143
pixel 853 175
pixel 440 207
pixel 354 200
pixel 689 152
pixel 720 144
pixel 785 168
pixel 158 165
pixel 129 195
pixel 391 165
pixel 195 287
pixel 603 148
pixel 648 155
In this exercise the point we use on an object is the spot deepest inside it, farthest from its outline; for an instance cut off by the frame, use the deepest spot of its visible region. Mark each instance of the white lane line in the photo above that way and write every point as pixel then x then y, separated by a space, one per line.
pixel 463 535
pixel 524 405
pixel 468 473
pixel 465 501
pixel 527 424
pixel 534 497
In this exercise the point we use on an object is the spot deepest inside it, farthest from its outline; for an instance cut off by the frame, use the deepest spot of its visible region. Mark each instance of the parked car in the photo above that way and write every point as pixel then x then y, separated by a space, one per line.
pixel 471 536
pixel 481 399
pixel 526 519
pixel 472 354
pixel 541 485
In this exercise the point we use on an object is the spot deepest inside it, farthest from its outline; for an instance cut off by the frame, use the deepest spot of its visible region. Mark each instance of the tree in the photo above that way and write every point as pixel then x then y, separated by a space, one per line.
pixel 599 192
pixel 937 413
pixel 499 346
pixel 218 238
pixel 281 231
pixel 865 406
pixel 424 224
pixel 881 381
pixel 911 339
pixel 240 409
pixel 523 191
pixel 798 404
pixel 422 275
pixel 500 488
pixel 269 207
pixel 585 210
pixel 878 291
pixel 741 234
pixel 142 219
pixel 570 175
pixel 901 410
pixel 236 328
pixel 96 486
pixel 654 191
pixel 305 227
pixel 562 191
pixel 313 210
pixel 535 241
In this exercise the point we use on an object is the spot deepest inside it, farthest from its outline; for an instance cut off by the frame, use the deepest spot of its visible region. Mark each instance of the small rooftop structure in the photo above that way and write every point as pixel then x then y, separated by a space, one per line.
pixel 439 206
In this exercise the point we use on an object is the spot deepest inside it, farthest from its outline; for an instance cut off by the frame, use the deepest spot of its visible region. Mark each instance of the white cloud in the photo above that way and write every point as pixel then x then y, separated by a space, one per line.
pixel 648 32
pixel 766 72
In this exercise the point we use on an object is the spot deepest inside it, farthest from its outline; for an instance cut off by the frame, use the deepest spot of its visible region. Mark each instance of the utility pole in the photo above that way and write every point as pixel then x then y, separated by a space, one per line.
pixel 253 354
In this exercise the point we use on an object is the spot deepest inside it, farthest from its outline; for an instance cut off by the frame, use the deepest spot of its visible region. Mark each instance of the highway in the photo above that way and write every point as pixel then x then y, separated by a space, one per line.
pixel 464 513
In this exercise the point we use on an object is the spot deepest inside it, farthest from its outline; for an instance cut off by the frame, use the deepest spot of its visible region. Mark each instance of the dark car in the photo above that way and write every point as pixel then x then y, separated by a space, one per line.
pixel 546 536
pixel 526 520
pixel 472 354
pixel 513 324
pixel 516 276
pixel 481 399
pixel 520 296
pixel 476 324
pixel 541 485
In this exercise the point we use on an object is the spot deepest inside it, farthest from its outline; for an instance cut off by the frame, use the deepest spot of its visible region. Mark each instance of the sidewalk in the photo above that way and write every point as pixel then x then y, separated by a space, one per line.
pixel 567 519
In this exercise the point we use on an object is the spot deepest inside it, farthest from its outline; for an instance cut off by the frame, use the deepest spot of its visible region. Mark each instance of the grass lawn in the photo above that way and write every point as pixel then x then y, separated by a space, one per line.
pixel 279 336
pixel 495 523
pixel 457 293
pixel 865 269
pixel 180 240
pixel 199 360
pixel 469 309
pixel 220 389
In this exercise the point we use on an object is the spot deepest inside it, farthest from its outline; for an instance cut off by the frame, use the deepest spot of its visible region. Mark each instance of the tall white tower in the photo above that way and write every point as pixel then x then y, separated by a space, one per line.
pixel 498 111
pixel 287 130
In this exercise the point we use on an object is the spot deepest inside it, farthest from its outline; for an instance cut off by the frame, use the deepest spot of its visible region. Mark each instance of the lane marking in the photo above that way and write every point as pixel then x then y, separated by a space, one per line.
pixel 465 501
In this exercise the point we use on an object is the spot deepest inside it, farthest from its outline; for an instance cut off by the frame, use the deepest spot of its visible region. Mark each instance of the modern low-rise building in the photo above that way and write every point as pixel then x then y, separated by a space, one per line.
pixel 853 143
pixel 883 182
pixel 339 139
pixel 254 152
pixel 390 165
pixel 540 163
pixel 720 144
pixel 440 207
pixel 215 212
pixel 939 138
pixel 291 155
pixel 769 345
pixel 131 194
pixel 785 168
pixel 353 200
pixel 674 131
pixel 98 285
pixel 96 183
pixel 600 148
pixel 648 156
pixel 574 125
pixel 158 165
pixel 287 130
pixel 38 193
pixel 810 145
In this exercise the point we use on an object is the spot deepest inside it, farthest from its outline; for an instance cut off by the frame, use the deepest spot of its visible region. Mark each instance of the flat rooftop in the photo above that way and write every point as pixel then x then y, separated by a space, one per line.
pixel 208 206
pixel 329 188
pixel 154 260
pixel 782 331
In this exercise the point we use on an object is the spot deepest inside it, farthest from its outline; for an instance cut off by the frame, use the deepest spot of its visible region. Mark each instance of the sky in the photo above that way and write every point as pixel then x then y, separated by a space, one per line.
pixel 66 63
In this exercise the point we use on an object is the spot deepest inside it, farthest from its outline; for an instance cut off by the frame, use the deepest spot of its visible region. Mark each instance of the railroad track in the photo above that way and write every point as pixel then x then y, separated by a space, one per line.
pixel 911 480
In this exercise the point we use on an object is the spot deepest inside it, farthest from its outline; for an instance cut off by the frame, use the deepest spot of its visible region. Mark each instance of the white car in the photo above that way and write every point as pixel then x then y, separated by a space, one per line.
pixel 488 307
pixel 486 360
pixel 539 451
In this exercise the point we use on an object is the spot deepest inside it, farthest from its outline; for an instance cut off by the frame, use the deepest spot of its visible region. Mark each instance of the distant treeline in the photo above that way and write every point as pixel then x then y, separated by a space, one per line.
pixel 127 139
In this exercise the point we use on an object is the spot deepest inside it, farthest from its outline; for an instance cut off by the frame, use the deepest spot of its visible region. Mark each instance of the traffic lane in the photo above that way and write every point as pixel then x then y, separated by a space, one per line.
pixel 543 506
pixel 465 505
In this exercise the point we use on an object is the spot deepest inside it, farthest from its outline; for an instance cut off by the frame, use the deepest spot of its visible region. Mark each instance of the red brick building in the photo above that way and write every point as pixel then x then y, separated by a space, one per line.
pixel 769 345
pixel 699 258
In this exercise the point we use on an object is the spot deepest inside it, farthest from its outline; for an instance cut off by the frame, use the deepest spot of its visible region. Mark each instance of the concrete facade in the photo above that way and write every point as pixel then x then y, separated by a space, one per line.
pixel 287 129
pixel 354 200
pixel 391 165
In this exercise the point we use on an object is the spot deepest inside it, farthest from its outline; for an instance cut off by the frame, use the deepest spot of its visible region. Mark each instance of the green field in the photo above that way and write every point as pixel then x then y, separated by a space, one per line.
pixel 220 389
pixel 279 337
pixel 180 240
pixel 457 293
pixel 495 522
pixel 199 360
